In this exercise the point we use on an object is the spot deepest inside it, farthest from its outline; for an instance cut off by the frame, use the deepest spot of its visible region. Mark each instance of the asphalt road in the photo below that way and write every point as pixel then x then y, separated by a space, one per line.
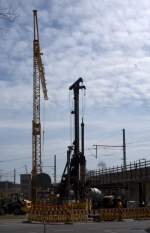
pixel 128 226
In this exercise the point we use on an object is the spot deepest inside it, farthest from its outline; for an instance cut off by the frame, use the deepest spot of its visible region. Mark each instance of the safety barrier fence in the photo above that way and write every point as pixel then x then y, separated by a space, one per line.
pixel 80 212
pixel 122 213
pixel 77 212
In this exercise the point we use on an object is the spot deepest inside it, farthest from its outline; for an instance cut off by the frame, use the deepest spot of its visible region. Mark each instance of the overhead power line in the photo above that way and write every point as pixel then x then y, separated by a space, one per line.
pixel 9 160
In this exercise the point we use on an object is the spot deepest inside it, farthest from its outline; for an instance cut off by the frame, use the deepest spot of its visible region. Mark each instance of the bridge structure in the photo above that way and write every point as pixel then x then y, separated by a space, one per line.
pixel 132 181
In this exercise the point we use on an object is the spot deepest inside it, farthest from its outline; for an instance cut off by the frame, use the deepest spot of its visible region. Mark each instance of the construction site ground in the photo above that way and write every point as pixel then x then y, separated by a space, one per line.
pixel 19 225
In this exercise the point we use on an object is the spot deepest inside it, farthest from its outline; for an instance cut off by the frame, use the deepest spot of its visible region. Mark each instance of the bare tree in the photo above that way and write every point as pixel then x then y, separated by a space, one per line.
pixel 6 12
pixel 7 15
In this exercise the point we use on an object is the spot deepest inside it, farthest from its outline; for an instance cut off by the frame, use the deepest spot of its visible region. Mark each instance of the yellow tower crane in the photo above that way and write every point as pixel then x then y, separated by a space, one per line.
pixel 38 79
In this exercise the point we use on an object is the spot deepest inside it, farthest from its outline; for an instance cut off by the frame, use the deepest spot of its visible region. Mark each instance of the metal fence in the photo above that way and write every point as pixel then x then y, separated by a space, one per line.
pixel 136 171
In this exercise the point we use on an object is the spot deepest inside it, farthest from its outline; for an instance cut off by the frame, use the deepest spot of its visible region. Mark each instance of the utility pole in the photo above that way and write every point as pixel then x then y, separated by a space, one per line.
pixel 96 148
pixel 26 169
pixel 54 169
pixel 124 149
pixel 14 176
pixel 113 146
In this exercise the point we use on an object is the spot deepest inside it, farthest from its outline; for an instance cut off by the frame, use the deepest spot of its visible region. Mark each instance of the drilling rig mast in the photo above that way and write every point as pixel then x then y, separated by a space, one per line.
pixel 73 177
pixel 38 77
pixel 78 161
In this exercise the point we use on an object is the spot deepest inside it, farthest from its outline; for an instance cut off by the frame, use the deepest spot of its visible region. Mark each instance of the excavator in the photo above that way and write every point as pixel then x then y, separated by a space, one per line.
pixel 14 204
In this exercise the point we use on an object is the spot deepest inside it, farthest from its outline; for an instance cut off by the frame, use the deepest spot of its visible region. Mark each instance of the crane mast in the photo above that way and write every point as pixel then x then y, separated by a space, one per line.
pixel 38 79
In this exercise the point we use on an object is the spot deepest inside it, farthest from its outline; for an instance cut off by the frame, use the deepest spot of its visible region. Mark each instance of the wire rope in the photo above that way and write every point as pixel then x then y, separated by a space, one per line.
pixel 70 118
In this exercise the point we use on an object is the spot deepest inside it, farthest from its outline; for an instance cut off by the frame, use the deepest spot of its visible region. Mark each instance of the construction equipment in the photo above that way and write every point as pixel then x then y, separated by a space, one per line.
pixel 38 78
pixel 73 178
pixel 14 204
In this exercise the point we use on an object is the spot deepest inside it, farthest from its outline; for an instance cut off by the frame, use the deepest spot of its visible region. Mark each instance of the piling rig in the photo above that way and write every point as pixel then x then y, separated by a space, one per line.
pixel 73 177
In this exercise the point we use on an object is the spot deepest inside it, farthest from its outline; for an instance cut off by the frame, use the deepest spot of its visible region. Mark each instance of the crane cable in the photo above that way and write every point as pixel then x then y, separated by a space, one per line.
pixel 43 128
pixel 70 118
pixel 83 102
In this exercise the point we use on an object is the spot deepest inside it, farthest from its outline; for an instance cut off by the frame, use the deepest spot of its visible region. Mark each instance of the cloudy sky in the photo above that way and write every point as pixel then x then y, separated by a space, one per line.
pixel 107 43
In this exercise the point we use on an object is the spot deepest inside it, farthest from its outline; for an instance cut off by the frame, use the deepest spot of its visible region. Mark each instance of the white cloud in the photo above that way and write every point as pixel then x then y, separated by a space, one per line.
pixel 106 43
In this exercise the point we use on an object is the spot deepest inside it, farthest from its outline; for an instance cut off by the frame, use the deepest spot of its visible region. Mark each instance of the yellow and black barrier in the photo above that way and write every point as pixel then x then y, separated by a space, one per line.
pixel 75 212
pixel 124 213
pixel 79 212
